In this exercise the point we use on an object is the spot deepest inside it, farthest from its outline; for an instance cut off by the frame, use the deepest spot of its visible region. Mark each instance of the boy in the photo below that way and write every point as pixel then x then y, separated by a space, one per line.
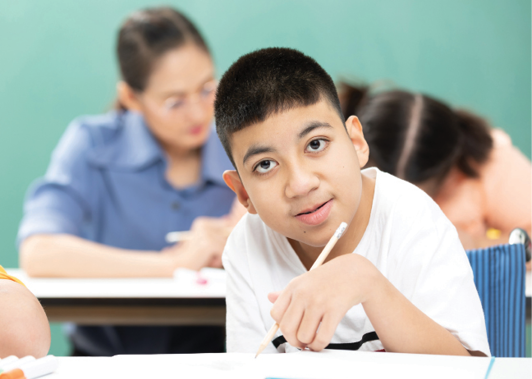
pixel 397 280
pixel 24 328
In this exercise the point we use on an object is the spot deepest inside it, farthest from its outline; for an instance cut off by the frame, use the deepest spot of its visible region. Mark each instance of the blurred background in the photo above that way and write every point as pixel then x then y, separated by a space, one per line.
pixel 58 62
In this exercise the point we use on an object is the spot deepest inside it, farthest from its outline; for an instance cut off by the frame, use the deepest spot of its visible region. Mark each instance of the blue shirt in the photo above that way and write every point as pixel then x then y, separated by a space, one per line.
pixel 106 183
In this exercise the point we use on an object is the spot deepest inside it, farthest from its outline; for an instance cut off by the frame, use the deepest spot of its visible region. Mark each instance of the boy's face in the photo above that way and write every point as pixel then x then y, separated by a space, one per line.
pixel 300 171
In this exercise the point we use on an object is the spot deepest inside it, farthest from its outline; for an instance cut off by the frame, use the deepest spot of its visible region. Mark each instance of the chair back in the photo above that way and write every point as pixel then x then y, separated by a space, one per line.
pixel 499 273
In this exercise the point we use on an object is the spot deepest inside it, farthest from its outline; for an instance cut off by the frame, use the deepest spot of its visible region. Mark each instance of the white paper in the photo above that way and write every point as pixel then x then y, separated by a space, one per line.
pixel 293 365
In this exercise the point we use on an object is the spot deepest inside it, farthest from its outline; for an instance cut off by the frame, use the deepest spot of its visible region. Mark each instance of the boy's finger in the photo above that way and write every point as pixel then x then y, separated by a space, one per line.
pixel 328 326
pixel 280 306
pixel 309 326
pixel 290 323
pixel 272 296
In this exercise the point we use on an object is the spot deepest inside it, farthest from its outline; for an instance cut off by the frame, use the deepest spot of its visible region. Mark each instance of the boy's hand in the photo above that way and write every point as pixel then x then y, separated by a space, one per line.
pixel 310 308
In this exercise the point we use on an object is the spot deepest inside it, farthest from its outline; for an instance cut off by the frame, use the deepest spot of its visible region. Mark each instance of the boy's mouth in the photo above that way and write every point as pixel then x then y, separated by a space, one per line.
pixel 316 215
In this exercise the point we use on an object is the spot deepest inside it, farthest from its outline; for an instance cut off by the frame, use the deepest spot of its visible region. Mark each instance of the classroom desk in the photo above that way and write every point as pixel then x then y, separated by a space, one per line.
pixel 335 364
pixel 128 301
pixel 138 301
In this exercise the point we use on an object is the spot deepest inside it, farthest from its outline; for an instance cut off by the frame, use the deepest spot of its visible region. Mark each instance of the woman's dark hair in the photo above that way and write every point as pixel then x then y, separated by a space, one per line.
pixel 146 35
pixel 416 137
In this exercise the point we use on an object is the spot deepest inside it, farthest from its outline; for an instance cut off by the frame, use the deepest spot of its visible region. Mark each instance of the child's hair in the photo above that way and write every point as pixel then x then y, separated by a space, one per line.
pixel 148 34
pixel 416 137
pixel 266 82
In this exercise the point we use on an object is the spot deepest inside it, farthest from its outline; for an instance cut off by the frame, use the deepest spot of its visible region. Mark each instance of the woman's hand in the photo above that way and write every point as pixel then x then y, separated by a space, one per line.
pixel 205 247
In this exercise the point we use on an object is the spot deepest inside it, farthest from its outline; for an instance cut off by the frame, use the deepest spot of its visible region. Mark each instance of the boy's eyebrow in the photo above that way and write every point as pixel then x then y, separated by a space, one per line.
pixel 313 125
pixel 256 149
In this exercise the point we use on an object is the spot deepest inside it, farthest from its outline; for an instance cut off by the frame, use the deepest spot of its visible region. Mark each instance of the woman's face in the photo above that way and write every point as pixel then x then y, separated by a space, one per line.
pixel 178 101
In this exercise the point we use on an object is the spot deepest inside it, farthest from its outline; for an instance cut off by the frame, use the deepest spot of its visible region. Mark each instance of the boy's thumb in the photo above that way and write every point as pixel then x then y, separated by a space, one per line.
pixel 272 296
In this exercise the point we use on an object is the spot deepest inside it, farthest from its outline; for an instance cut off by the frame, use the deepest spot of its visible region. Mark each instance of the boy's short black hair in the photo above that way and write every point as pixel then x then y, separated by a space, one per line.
pixel 266 82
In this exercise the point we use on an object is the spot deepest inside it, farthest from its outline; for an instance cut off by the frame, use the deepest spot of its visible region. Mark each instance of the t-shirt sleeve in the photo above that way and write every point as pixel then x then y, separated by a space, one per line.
pixel 61 201
pixel 431 269
pixel 507 183
pixel 244 327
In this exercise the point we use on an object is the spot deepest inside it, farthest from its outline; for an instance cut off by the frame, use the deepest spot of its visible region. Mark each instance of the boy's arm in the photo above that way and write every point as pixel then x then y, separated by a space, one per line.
pixel 401 326
pixel 327 293
pixel 24 328
pixel 424 301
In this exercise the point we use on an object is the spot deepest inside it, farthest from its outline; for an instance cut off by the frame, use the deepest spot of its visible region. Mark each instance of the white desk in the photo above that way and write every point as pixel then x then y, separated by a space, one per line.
pixel 128 301
pixel 327 364
pixel 136 301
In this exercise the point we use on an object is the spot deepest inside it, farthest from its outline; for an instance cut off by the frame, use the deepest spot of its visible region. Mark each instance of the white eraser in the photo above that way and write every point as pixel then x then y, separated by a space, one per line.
pixel 340 230
pixel 40 367
pixel 7 360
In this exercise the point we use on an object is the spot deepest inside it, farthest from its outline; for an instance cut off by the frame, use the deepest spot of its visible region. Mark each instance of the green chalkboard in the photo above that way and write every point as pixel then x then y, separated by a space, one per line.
pixel 57 62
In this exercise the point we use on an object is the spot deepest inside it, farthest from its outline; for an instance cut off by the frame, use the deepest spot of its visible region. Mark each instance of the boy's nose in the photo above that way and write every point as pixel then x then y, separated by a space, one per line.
pixel 301 182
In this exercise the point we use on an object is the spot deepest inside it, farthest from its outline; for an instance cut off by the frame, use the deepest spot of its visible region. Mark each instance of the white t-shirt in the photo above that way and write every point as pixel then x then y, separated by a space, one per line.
pixel 408 239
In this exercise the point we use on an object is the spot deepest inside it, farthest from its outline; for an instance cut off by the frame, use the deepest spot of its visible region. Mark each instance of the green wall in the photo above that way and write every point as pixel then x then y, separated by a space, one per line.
pixel 57 62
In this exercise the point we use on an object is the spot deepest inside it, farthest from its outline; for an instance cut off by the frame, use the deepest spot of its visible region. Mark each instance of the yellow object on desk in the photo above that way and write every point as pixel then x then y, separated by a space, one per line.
pixel 493 234
pixel 5 275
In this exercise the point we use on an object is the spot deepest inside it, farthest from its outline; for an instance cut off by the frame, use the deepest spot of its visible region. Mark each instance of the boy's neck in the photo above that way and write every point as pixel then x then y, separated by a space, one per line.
pixel 351 237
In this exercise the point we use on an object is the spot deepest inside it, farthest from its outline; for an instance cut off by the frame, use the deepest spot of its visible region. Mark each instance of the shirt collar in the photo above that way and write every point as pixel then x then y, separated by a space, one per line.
pixel 132 148
pixel 135 148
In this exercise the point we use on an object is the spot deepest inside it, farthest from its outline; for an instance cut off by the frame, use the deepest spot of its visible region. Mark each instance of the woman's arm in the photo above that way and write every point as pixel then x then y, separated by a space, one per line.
pixel 64 255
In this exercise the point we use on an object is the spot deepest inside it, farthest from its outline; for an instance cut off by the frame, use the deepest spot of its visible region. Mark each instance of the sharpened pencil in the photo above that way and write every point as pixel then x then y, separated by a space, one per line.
pixel 173 237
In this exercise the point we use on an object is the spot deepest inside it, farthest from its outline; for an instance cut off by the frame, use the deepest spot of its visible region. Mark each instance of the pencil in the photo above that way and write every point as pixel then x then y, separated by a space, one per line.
pixel 321 258
pixel 173 237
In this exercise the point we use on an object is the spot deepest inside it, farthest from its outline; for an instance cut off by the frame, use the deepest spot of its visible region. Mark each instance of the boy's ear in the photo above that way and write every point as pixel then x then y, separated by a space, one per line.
pixel 232 179
pixel 354 130
pixel 127 96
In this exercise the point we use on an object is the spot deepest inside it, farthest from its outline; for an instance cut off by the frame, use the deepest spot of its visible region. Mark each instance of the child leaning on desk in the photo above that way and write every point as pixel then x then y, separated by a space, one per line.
pixel 479 179
pixel 397 280
pixel 24 328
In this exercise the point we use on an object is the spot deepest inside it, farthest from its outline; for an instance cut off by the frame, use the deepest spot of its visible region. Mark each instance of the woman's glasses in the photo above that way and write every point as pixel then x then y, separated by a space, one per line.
pixel 178 104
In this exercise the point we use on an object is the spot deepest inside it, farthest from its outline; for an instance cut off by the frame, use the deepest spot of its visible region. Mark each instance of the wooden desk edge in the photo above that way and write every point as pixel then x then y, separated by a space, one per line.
pixel 137 315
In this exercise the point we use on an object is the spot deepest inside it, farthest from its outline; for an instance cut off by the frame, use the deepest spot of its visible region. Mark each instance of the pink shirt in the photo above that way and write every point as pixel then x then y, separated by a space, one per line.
pixel 500 198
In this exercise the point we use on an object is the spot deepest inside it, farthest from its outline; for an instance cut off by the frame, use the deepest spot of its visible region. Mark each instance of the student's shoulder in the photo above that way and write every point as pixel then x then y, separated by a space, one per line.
pixel 395 192
pixel 250 228
pixel 96 129
pixel 402 200
pixel 100 140
pixel 250 235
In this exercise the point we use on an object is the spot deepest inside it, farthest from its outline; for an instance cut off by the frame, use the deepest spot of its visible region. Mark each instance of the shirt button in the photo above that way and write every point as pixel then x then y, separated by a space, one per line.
pixel 175 205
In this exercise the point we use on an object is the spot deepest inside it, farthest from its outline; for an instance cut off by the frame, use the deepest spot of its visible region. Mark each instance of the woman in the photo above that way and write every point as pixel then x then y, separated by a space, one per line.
pixel 119 182
pixel 481 182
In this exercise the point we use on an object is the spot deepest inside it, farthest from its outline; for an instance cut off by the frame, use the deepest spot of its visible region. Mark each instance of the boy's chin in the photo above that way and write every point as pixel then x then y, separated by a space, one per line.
pixel 313 238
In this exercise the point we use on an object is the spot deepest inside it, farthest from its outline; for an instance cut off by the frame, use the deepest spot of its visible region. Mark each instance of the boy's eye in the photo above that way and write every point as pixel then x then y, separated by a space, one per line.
pixel 316 145
pixel 264 166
